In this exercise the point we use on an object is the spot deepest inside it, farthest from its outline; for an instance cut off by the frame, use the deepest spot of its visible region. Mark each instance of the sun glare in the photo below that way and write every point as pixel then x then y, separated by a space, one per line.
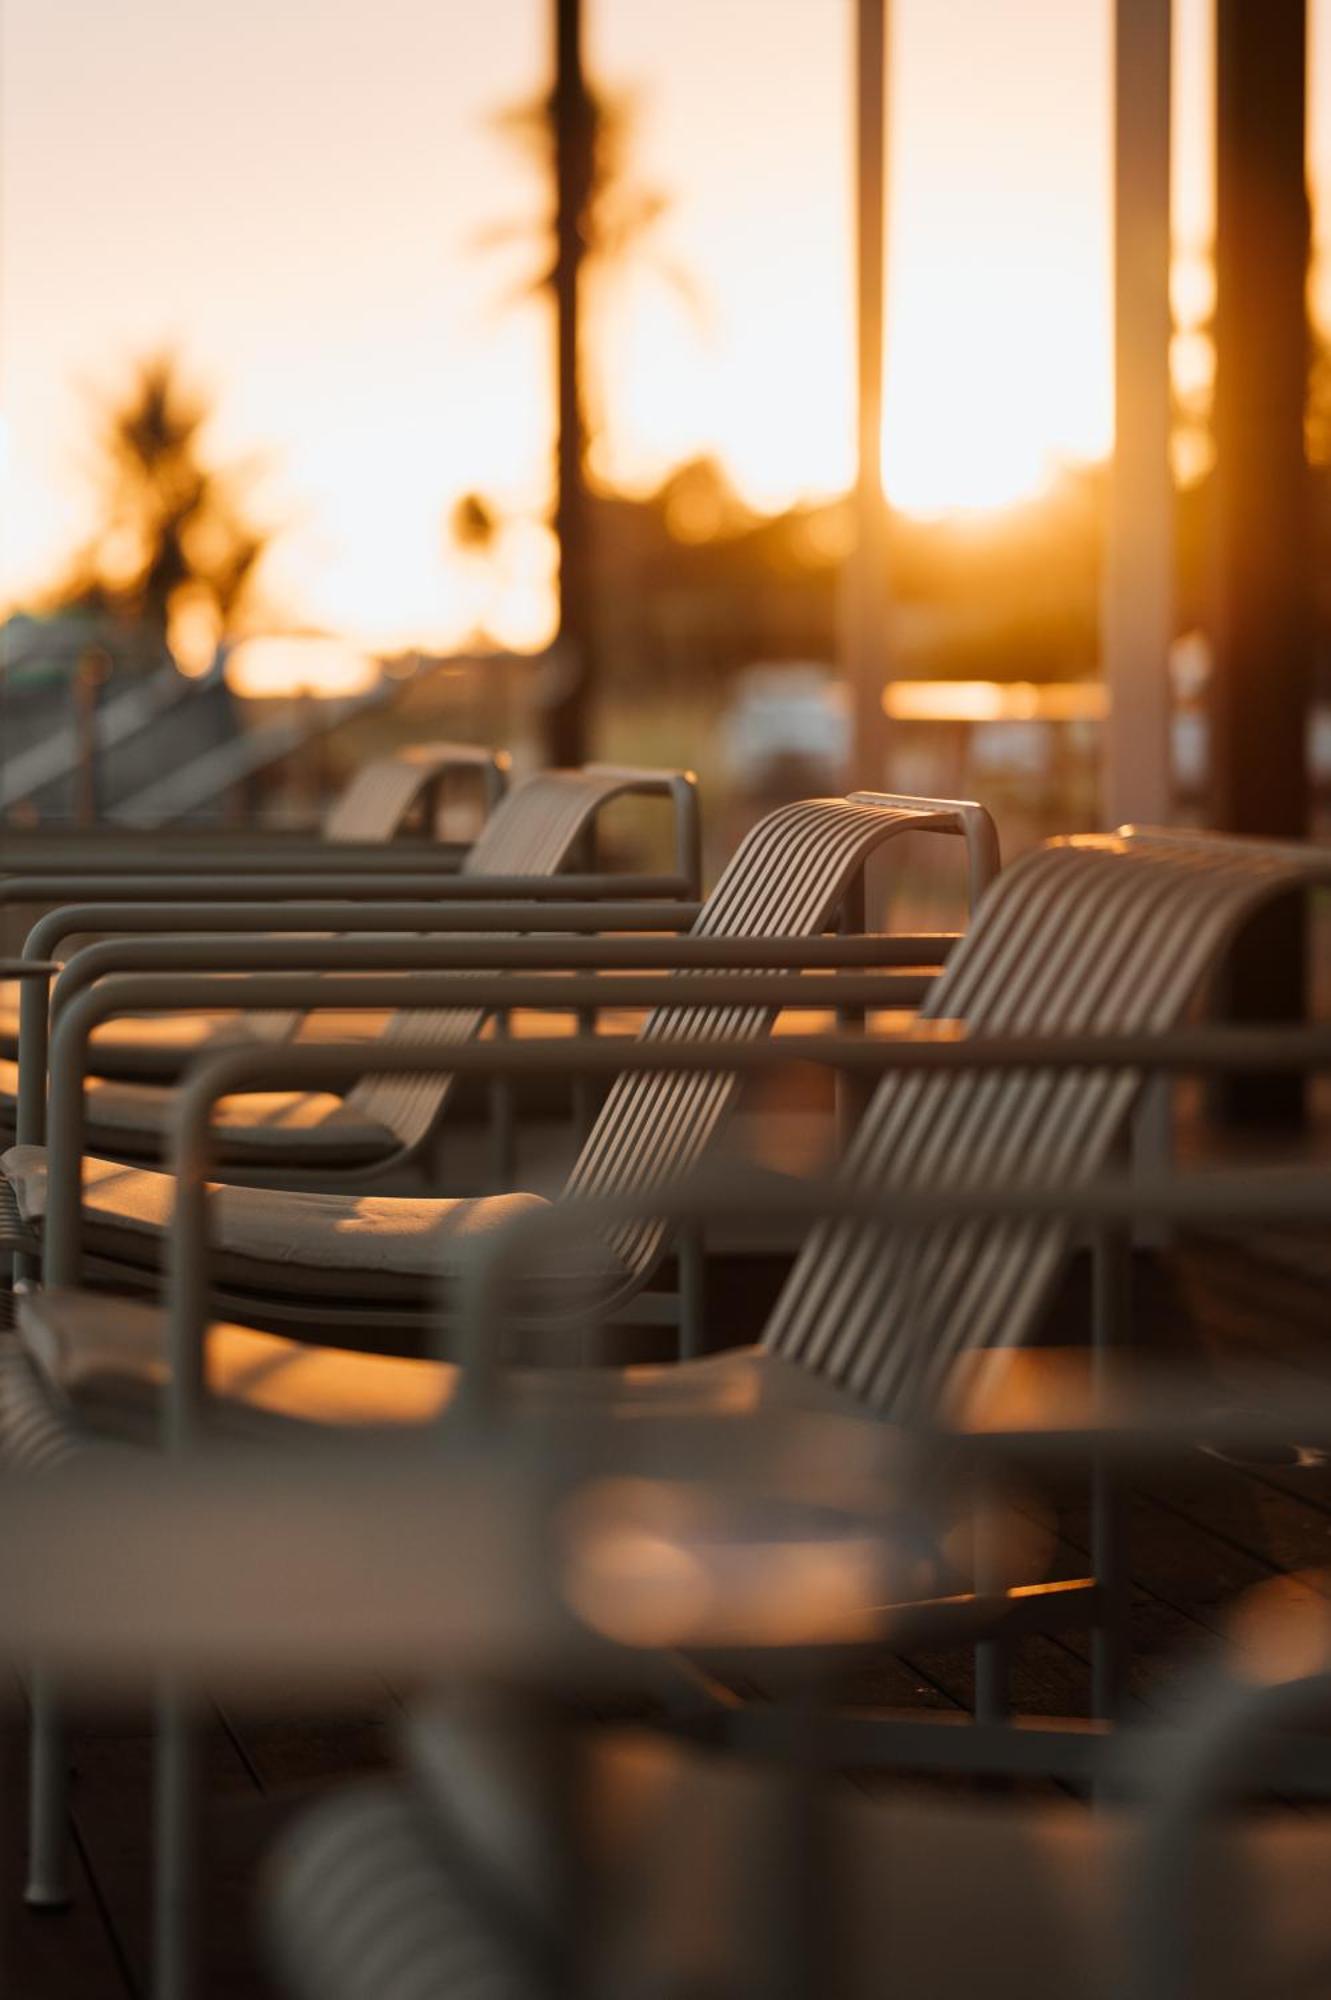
pixel 995 376
pixel 376 390
pixel 289 666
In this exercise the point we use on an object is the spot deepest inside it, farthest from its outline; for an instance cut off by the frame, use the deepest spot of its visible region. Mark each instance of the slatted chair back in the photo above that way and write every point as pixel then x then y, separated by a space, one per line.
pixel 787 879
pixel 378 798
pixel 534 831
pixel 1098 934
pixel 373 806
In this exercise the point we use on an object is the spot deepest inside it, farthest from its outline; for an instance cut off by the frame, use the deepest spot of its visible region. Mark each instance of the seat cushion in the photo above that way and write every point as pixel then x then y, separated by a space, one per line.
pixel 265 1239
pixel 107 1359
pixel 140 1044
pixel 156 1047
pixel 287 1128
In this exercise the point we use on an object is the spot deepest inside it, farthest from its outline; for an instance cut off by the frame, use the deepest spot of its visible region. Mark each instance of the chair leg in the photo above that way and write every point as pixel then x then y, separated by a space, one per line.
pixel 503 1118
pixel 584 1089
pixel 503 1135
pixel 1112 1309
pixel 47 1886
pixel 176 1804
pixel 1110 1649
pixel 692 1294
pixel 992 1695
pixel 992 1656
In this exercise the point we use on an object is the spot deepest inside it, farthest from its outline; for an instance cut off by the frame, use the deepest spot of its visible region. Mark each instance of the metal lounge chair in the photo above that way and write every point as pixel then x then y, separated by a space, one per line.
pixel 376 803
pixel 1097 934
pixel 791 874
pixel 372 1260
pixel 532 833
pixel 1102 934
pixel 692 1874
pixel 370 812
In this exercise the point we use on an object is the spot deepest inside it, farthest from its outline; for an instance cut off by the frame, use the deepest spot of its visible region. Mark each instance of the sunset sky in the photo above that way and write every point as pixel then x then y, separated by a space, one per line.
pixel 291 192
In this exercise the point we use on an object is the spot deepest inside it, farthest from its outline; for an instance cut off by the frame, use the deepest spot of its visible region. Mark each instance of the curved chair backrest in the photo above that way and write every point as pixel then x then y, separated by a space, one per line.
pixel 1109 933
pixel 787 879
pixel 378 798
pixel 372 807
pixel 534 831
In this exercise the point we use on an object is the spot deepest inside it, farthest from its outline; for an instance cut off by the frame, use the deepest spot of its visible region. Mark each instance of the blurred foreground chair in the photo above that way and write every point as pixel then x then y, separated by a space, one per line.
pixel 189 1415
pixel 619 1863
pixel 304 1259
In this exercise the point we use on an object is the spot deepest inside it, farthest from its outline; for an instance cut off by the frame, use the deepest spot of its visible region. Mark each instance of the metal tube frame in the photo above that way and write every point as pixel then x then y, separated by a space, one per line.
pixel 249 919
pixel 122 993
pixel 223 1073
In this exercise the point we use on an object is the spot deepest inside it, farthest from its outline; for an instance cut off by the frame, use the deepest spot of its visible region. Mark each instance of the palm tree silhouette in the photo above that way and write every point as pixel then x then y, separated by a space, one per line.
pixel 580 138
pixel 173 526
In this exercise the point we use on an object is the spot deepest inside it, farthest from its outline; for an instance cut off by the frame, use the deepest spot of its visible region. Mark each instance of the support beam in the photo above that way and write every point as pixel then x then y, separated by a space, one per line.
pixel 1262 614
pixel 1138 609
pixel 1262 572
pixel 865 636
pixel 568 712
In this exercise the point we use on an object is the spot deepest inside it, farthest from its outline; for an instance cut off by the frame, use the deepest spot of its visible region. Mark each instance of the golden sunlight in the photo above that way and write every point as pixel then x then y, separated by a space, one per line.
pixel 296 665
pixel 995 701
pixel 373 393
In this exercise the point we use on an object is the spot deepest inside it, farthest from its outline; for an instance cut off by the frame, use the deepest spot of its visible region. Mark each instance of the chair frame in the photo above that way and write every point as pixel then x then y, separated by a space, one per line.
pixel 989 1743
pixel 947 816
pixel 458 1923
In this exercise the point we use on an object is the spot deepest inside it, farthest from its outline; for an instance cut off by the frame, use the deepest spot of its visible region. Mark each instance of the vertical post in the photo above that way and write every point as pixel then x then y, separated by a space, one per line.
pixel 852 1090
pixel 89 674
pixel 865 637
pixel 47 1882
pixel 1138 605
pixel 1111 1279
pixel 568 712
pixel 1262 570
pixel 177 1857
pixel 691 1258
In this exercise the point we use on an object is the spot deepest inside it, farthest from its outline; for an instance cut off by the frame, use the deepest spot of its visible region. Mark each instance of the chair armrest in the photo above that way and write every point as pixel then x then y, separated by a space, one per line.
pixel 963 817
pixel 933 1047
pixel 36 969
pixel 407 952
pixel 320 917
pixel 336 914
pixel 406 948
pixel 293 1064
pixel 937 1049
pixel 681 787
pixel 292 853
pixel 402 880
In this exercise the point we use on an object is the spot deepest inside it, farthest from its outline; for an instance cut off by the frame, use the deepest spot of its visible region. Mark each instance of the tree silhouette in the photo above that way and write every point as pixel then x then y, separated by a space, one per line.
pixel 601 215
pixel 175 530
pixel 622 212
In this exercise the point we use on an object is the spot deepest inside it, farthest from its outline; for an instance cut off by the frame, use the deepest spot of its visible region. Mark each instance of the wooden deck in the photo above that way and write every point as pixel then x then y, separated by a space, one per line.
pixel 1201 1537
